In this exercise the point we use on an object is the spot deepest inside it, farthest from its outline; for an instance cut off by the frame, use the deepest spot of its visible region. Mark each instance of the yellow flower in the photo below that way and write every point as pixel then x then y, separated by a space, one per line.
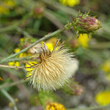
pixel 31 63
pixel 84 40
pixel 103 98
pixel 70 3
pixel 9 3
pixel 106 66
pixel 11 63
pixel 16 50
pixel 54 70
pixel 17 63
pixel 4 10
pixel 5 6
pixel 52 40
pixel 55 106
pixel 29 69
pixel 107 76
pixel 22 39
pixel 51 43
pixel 22 55
pixel 50 46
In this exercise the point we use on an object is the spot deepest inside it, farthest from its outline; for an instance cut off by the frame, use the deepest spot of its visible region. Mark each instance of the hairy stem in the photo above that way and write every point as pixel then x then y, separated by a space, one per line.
pixel 25 49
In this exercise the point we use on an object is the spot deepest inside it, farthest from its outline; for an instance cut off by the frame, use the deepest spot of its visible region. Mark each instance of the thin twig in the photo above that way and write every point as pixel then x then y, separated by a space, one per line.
pixel 10 98
pixel 27 58
pixel 25 49
pixel 24 32
pixel 7 66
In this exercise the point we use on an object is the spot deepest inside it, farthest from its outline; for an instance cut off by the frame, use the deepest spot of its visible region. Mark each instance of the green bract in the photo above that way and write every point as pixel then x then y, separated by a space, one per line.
pixel 85 23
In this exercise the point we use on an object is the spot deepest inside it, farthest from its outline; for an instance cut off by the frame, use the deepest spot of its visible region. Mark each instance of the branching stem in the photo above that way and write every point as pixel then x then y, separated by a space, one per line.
pixel 25 49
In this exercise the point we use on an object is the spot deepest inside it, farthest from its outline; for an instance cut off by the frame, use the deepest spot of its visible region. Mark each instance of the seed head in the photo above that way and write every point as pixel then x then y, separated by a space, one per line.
pixel 54 68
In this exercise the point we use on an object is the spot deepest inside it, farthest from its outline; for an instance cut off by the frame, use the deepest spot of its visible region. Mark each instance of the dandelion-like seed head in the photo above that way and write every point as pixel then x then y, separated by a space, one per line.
pixel 54 69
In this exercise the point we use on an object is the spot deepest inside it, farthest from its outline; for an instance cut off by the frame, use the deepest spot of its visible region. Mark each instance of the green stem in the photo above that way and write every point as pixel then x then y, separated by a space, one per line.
pixel 15 25
pixel 101 45
pixel 18 59
pixel 24 32
pixel 10 98
pixel 12 84
pixel 93 108
pixel 63 8
pixel 43 38
pixel 10 27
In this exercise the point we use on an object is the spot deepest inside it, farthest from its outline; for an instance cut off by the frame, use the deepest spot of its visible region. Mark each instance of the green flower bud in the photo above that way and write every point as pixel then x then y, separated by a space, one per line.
pixel 86 24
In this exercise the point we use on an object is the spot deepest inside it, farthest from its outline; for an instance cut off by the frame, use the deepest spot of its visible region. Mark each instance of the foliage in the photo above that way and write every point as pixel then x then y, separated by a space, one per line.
pixel 24 27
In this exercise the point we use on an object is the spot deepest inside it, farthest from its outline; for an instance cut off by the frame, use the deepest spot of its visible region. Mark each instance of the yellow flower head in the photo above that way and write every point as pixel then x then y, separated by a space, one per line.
pixel 55 106
pixel 51 43
pixel 16 50
pixel 17 64
pixel 106 66
pixel 11 63
pixel 22 39
pixel 70 3
pixel 52 40
pixel 9 3
pixel 84 40
pixel 28 66
pixel 55 68
pixel 103 98
pixel 5 6
pixel 4 10
pixel 49 46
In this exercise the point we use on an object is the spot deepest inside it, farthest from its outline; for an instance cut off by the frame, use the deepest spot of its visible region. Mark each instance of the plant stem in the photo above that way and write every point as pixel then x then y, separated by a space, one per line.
pixel 18 59
pixel 101 45
pixel 24 32
pixel 12 84
pixel 7 66
pixel 10 98
pixel 15 25
pixel 93 108
pixel 25 49
pixel 63 8
pixel 10 27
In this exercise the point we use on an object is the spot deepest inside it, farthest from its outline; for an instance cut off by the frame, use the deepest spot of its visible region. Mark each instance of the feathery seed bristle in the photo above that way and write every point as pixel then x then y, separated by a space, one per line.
pixel 54 70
